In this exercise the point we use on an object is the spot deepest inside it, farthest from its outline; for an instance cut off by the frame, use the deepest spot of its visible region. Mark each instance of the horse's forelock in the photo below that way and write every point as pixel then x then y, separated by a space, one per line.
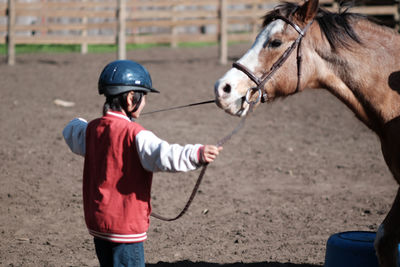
pixel 284 9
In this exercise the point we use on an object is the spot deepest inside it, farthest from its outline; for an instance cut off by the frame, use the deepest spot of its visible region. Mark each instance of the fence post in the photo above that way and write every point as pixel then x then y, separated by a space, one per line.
pixel 174 30
pixel 84 45
pixel 43 18
pixel 223 32
pixel 11 33
pixel 121 31
pixel 254 24
pixel 397 17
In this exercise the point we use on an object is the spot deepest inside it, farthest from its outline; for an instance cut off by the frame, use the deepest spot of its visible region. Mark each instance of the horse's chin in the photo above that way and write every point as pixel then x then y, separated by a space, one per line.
pixel 241 112
pixel 236 108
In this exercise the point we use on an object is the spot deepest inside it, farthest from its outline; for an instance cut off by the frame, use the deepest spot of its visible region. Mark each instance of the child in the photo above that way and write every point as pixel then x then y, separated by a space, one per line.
pixel 120 158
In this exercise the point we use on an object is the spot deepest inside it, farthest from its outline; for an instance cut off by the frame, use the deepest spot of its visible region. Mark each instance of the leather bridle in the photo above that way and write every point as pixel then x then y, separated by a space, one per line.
pixel 260 82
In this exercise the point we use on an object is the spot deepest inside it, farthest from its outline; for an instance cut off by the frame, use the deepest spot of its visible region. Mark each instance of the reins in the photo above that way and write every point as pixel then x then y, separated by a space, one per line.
pixel 221 142
pixel 262 96
pixel 179 107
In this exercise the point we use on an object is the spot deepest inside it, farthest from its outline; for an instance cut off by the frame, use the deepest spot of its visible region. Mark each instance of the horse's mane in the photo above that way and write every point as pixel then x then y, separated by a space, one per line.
pixel 335 26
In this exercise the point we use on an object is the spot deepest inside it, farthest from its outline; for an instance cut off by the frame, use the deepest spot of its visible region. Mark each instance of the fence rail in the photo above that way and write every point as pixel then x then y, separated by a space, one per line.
pixel 119 22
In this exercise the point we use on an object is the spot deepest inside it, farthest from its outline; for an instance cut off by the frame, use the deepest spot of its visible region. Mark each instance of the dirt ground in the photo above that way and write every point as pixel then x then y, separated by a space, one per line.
pixel 302 169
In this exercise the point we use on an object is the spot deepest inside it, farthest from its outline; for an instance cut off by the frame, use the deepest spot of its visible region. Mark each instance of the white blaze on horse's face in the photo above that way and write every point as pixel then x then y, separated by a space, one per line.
pixel 231 89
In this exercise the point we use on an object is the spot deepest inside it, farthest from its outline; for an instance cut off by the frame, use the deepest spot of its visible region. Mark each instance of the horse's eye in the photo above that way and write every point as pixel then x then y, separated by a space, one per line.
pixel 275 43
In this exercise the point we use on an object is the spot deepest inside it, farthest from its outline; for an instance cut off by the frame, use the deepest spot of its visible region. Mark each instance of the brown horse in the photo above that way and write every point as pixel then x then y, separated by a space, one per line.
pixel 357 60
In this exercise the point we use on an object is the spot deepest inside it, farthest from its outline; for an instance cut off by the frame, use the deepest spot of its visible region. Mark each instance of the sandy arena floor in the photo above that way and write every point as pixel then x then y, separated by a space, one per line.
pixel 302 168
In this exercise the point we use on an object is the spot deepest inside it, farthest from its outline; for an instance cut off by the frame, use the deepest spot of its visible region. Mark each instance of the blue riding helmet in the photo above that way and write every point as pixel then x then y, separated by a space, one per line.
pixel 122 76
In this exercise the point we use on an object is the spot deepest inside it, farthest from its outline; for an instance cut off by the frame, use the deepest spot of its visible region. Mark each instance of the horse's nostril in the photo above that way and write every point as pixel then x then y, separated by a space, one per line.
pixel 227 88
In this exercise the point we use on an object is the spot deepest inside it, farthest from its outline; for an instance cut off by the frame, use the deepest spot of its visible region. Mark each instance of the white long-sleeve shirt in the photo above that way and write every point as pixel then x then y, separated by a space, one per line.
pixel 155 154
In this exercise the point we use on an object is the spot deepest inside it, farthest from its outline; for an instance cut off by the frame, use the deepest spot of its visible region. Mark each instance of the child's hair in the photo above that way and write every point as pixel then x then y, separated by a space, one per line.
pixel 119 102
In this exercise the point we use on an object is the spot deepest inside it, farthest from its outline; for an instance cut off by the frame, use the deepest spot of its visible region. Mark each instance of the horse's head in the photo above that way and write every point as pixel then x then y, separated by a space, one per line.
pixel 282 29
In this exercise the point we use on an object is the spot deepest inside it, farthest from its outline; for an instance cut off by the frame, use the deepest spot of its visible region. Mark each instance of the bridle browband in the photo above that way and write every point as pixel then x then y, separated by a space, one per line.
pixel 260 82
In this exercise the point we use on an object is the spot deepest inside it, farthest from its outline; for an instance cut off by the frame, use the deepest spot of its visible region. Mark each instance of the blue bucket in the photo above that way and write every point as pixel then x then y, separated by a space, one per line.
pixel 351 249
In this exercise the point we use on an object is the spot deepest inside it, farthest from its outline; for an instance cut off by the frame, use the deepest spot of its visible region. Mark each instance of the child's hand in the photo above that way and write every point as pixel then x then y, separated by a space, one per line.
pixel 209 153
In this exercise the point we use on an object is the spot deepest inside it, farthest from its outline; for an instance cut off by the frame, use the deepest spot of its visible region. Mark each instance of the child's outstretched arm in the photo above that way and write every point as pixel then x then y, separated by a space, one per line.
pixel 158 155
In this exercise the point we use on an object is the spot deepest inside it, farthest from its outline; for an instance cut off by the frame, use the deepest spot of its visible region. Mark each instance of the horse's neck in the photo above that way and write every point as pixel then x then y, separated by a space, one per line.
pixel 360 76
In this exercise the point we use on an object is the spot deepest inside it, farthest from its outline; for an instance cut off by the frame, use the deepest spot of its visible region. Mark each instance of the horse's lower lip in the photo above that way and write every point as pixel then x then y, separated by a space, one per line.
pixel 242 110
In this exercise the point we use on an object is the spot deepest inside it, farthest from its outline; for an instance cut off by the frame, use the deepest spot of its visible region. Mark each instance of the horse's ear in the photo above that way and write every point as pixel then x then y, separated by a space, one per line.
pixel 308 10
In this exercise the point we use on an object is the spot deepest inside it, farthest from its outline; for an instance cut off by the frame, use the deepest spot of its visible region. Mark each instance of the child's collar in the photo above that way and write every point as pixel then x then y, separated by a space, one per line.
pixel 118 114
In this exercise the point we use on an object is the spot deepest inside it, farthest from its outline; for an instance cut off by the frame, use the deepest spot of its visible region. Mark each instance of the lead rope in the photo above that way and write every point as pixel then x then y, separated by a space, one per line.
pixel 203 170
pixel 179 107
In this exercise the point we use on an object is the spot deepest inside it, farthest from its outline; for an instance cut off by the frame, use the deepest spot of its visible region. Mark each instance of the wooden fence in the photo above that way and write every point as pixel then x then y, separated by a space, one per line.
pixel 119 22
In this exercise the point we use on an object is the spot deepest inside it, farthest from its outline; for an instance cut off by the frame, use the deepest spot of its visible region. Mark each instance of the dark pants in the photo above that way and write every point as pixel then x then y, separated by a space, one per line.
pixel 119 255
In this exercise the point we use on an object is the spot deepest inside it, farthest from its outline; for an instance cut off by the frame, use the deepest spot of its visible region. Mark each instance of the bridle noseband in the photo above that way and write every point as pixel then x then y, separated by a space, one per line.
pixel 260 82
